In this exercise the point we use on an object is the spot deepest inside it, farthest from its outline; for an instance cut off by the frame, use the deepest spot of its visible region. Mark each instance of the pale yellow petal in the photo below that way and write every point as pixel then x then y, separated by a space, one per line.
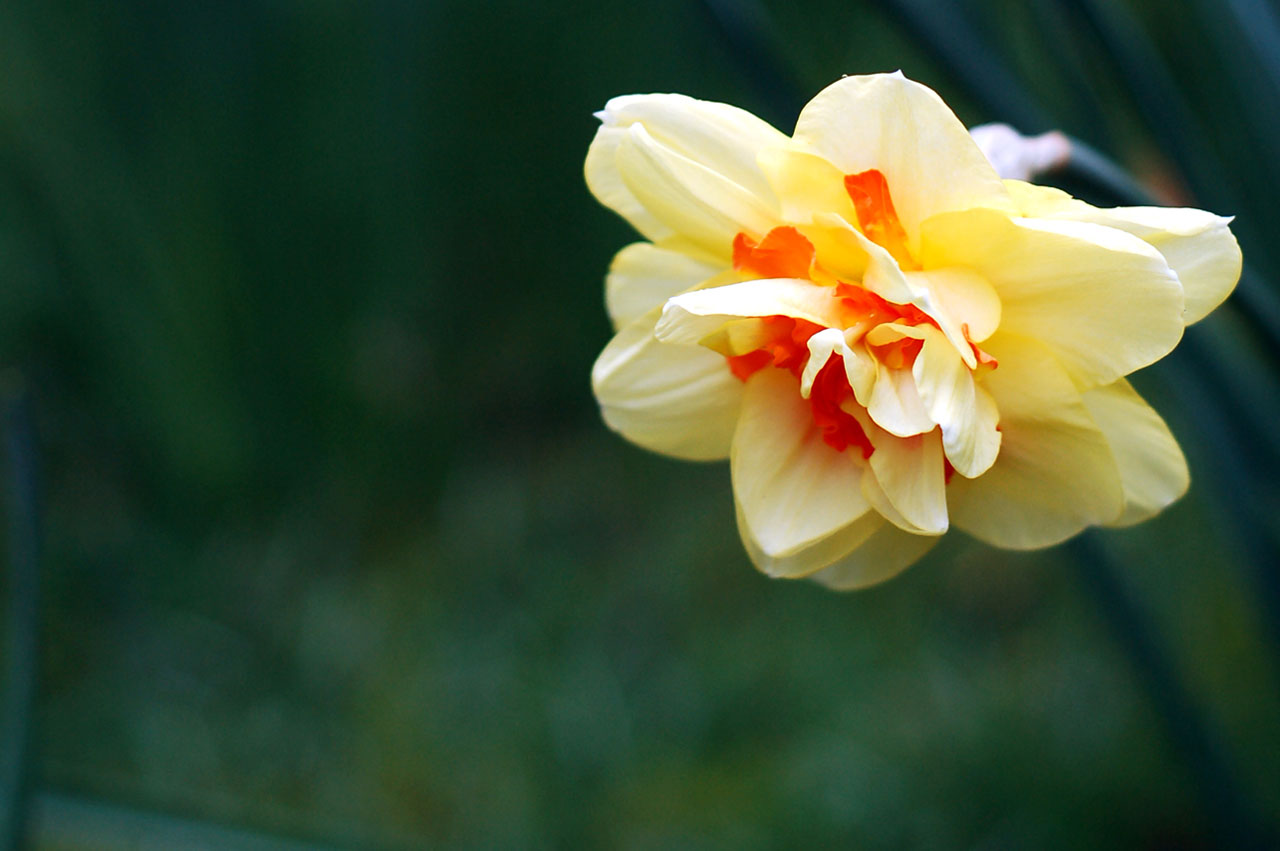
pixel 893 400
pixel 859 367
pixel 606 183
pixel 693 316
pixel 965 299
pixel 1208 265
pixel 824 344
pixel 844 251
pixel 793 489
pixel 883 555
pixel 1153 470
pixel 1197 245
pixel 812 558
pixel 909 472
pixel 965 411
pixel 1105 302
pixel 721 137
pixel 1041 202
pixel 643 276
pixel 838 247
pixel 692 199
pixel 678 400
pixel 883 506
pixel 895 405
pixel 806 185
pixel 904 130
pixel 1055 473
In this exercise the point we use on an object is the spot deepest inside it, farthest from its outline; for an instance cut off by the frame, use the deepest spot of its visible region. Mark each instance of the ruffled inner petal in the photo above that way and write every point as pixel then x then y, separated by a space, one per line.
pixel 965 411
pixel 910 476
pixel 694 316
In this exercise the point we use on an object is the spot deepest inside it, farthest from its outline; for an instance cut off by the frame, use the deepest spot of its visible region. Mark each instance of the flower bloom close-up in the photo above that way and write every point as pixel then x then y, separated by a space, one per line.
pixel 884 337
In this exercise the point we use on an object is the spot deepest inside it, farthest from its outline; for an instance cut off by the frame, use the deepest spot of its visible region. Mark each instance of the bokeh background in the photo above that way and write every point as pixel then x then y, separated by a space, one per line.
pixel 300 298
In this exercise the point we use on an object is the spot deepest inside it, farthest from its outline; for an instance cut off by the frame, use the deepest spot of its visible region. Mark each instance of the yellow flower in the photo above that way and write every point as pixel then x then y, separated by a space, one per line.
pixel 884 337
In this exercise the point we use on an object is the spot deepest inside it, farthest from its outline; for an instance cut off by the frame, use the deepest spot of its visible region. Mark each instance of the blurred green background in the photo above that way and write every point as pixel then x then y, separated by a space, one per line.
pixel 338 554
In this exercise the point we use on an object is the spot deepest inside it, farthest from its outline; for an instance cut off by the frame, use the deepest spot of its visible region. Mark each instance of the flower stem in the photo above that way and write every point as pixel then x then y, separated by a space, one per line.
pixel 1090 166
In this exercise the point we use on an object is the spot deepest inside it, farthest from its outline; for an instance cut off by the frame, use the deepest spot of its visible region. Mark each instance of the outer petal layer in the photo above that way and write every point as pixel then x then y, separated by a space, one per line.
pixel 606 183
pixel 683 169
pixel 1104 302
pixel 792 490
pixel 679 400
pixel 1198 246
pixel 1055 474
pixel 693 199
pixel 1153 470
pixel 905 131
pixel 643 276
pixel 716 135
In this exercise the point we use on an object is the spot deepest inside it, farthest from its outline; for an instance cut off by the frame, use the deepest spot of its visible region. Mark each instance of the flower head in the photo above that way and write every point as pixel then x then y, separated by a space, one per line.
pixel 883 336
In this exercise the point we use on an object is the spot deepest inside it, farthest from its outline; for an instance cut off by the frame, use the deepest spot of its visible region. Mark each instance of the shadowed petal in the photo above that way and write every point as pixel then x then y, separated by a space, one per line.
pixel 1153 470
pixel 815 557
pixel 883 555
pixel 964 409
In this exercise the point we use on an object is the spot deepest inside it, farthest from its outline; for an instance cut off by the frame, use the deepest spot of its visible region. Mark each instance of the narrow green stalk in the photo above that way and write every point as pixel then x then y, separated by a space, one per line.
pixel 1092 167
pixel 23 649
pixel 1198 744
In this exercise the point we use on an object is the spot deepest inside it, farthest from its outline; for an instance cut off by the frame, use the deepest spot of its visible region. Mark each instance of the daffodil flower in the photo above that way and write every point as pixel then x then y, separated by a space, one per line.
pixel 883 336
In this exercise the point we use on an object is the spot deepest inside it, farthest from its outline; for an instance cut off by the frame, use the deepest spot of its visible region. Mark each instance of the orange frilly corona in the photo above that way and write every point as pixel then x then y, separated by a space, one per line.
pixel 884 337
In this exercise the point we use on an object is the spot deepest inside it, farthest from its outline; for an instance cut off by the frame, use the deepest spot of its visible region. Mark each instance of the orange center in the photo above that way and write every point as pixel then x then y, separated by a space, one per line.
pixel 785 253
pixel 788 348
pixel 879 221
